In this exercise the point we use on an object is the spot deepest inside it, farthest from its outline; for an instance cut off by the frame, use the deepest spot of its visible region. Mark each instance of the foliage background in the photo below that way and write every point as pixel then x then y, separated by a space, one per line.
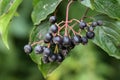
pixel 86 63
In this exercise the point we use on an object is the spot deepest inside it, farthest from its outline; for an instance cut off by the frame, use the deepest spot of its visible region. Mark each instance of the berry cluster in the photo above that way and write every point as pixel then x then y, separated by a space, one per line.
pixel 59 40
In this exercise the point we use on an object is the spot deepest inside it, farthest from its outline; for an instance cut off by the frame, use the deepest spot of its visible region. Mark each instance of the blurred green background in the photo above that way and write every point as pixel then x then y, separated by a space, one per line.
pixel 85 62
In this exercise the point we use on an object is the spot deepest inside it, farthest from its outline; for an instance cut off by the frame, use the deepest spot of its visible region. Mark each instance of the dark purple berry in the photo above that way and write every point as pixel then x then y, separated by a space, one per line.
pixel 52 19
pixel 64 52
pixel 94 24
pixel 38 49
pixel 90 35
pixel 28 48
pixel 45 59
pixel 84 40
pixel 60 58
pixel 52 58
pixel 57 40
pixel 54 28
pixel 72 45
pixel 90 28
pixel 99 23
pixel 48 37
pixel 66 41
pixel 47 51
pixel 82 25
pixel 76 39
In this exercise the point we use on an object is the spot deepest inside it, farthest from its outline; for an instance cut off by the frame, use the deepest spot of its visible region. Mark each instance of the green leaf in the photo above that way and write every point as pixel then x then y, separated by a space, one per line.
pixel 108 36
pixel 6 17
pixel 42 9
pixel 38 31
pixel 87 3
pixel 4 6
pixel 109 7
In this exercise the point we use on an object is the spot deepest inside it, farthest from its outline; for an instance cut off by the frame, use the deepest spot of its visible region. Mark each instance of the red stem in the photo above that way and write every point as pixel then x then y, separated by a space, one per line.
pixel 66 22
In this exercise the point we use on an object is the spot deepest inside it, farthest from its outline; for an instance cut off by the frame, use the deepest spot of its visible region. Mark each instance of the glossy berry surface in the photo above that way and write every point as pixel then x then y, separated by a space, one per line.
pixel 57 40
pixel 48 37
pixel 54 28
pixel 76 39
pixel 47 51
pixel 27 49
pixel 82 25
pixel 52 19
pixel 90 35
pixel 45 59
pixel 90 28
pixel 99 22
pixel 52 58
pixel 84 40
pixel 94 24
pixel 38 49
pixel 60 58
pixel 66 41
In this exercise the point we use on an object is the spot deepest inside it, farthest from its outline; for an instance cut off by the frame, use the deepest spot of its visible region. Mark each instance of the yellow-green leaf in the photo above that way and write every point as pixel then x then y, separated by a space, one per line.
pixel 6 17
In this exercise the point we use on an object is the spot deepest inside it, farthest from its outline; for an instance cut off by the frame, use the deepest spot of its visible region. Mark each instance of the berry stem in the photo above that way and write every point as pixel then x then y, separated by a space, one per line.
pixel 56 49
pixel 41 41
pixel 74 32
pixel 75 20
pixel 66 22
pixel 60 23
pixel 48 45
pixel 60 28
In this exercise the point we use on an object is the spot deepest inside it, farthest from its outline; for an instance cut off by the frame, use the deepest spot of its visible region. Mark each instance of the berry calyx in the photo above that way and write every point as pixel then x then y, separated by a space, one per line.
pixel 28 49
pixel 90 35
pixel 54 28
pixel 52 19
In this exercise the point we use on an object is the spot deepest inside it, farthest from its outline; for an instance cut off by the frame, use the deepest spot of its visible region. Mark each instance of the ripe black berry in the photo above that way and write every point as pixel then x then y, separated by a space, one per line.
pixel 99 22
pixel 52 19
pixel 38 49
pixel 72 45
pixel 90 35
pixel 84 40
pixel 82 25
pixel 66 41
pixel 94 24
pixel 48 37
pixel 54 28
pixel 64 52
pixel 57 40
pixel 47 51
pixel 90 28
pixel 76 39
pixel 28 49
pixel 60 58
pixel 52 58
pixel 45 59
